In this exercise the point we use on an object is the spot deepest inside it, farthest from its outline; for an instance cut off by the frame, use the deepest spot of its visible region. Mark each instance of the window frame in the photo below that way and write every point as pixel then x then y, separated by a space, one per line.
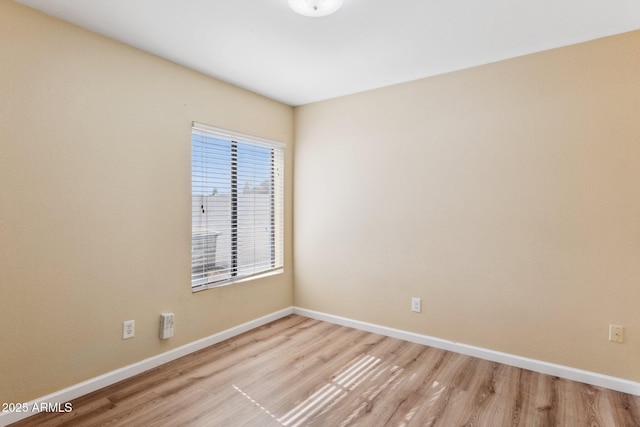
pixel 276 208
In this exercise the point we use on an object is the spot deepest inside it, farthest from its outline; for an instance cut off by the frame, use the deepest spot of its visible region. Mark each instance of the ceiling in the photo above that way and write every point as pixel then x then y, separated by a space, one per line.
pixel 263 46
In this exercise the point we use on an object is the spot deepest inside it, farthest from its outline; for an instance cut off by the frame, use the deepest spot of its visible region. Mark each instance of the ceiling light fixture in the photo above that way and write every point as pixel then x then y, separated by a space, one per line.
pixel 315 8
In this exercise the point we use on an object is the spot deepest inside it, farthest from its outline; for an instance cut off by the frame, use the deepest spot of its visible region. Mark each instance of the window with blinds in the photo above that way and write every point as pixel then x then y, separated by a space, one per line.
pixel 237 215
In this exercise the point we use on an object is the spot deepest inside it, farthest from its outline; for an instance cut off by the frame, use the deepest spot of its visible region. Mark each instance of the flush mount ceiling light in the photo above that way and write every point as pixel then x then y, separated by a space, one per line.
pixel 315 8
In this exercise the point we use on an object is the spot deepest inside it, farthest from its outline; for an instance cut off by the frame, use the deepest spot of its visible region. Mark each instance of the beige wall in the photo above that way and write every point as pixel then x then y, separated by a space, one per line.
pixel 506 196
pixel 95 203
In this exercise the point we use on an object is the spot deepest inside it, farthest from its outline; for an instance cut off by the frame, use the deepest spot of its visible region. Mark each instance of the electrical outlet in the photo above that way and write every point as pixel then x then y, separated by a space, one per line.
pixel 616 333
pixel 128 329
pixel 416 305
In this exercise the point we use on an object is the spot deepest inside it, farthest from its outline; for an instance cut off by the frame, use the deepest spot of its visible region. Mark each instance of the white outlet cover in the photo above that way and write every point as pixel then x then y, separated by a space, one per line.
pixel 616 333
pixel 128 329
pixel 416 305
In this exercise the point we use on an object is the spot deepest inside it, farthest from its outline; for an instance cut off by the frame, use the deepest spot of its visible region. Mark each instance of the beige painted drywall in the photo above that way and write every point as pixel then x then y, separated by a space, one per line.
pixel 506 196
pixel 95 203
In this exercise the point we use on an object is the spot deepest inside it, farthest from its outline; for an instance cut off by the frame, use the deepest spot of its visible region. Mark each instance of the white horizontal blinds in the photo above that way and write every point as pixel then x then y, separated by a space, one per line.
pixel 237 206
pixel 210 224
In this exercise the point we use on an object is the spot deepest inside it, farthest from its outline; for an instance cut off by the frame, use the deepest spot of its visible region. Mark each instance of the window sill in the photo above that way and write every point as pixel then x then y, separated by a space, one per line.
pixel 242 280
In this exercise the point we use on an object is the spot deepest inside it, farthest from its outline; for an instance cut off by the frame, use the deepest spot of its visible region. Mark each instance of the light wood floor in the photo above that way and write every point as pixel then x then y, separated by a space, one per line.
pixel 303 372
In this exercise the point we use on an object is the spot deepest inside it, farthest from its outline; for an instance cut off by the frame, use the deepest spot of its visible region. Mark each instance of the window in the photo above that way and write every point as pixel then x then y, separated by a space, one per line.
pixel 237 197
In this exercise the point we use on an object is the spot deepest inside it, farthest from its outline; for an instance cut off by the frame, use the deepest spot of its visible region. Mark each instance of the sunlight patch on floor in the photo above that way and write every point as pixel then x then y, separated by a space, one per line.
pixel 344 381
pixel 360 369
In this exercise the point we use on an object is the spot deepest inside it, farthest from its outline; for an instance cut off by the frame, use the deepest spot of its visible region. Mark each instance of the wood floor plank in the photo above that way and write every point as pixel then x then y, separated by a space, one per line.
pixel 302 372
pixel 413 386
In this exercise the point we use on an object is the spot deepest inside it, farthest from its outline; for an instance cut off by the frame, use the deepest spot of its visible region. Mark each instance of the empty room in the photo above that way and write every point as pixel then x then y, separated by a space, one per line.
pixel 319 213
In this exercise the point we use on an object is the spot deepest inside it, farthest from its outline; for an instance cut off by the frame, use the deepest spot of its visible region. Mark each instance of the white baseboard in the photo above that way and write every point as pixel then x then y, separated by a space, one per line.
pixel 85 387
pixel 592 378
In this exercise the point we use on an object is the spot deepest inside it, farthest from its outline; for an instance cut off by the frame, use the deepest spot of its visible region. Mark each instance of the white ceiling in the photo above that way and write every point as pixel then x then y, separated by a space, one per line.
pixel 263 46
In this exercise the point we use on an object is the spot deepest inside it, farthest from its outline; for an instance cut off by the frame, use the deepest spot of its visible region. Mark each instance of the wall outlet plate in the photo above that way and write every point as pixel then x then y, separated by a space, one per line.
pixel 128 329
pixel 616 333
pixel 416 305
